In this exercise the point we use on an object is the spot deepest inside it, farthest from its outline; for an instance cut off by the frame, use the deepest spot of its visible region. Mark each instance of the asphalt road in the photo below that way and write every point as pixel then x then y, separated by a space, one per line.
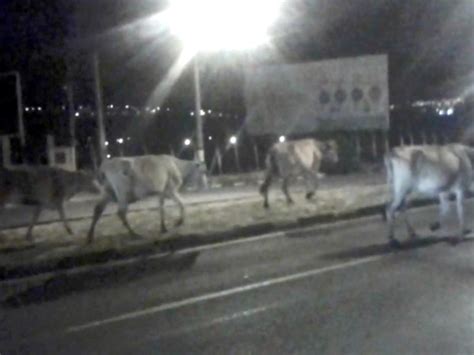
pixel 336 290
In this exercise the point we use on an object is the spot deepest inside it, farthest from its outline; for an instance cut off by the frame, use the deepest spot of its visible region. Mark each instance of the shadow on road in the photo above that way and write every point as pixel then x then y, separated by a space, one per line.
pixel 381 249
pixel 65 285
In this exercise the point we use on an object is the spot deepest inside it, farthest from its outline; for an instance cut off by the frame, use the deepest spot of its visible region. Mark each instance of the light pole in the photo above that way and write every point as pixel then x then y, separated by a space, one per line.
pixel 216 25
pixel 100 110
pixel 200 155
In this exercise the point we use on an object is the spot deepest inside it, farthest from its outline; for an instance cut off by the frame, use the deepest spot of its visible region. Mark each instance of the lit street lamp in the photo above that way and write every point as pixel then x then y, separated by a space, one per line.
pixel 213 25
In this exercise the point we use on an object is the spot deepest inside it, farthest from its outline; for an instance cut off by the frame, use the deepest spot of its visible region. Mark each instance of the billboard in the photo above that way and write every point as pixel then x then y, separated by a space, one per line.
pixel 338 94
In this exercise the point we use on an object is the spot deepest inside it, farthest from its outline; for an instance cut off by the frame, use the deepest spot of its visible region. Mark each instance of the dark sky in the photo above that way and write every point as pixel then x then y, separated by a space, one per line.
pixel 430 46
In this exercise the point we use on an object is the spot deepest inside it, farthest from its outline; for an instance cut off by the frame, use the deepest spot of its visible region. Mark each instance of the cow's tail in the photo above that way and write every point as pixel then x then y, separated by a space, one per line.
pixel 388 161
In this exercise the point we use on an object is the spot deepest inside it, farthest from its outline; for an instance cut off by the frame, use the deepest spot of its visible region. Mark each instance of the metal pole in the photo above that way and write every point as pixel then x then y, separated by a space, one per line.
pixel 197 92
pixel 19 102
pixel 100 112
pixel 237 159
pixel 72 124
pixel 199 129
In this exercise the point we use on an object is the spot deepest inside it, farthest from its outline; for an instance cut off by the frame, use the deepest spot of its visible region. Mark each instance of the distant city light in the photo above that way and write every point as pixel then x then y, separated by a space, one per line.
pixel 127 107
pixel 187 142
pixel 209 111
pixel 233 140
pixel 450 111
pixel 39 108
pixel 77 114
pixel 203 112
pixel 153 111
pixel 441 112
pixel 119 140
pixel 282 139
pixel 210 138
pixel 27 109
pixel 106 143
pixel 108 156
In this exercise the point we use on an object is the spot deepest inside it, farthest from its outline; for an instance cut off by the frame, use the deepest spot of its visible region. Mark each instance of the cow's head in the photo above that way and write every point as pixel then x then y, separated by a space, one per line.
pixel 330 151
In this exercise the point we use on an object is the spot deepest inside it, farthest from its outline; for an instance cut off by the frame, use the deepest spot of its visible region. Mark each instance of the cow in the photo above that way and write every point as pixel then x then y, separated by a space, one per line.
pixel 431 170
pixel 129 179
pixel 289 159
pixel 43 187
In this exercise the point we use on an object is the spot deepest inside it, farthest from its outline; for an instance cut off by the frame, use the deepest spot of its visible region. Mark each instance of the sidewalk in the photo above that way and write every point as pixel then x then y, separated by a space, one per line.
pixel 215 215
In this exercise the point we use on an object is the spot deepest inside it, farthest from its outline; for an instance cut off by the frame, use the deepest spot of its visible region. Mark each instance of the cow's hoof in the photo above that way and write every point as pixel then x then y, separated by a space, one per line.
pixel 394 243
pixel 309 195
pixel 290 202
pixel 164 230
pixel 179 223
pixel 266 206
pixel 435 226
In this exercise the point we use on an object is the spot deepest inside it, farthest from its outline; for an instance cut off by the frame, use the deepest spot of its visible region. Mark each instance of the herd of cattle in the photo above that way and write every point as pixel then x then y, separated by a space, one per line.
pixel 434 170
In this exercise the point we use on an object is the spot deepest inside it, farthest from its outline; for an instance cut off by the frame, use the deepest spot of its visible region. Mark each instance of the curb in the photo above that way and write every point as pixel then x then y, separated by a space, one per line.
pixel 91 259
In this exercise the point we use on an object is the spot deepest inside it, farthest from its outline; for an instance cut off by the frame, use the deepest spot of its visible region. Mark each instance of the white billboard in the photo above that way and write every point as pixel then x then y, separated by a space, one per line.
pixel 339 94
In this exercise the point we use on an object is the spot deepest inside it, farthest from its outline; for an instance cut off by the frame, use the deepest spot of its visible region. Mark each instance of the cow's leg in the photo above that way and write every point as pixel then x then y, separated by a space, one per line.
pixel 162 213
pixel 182 214
pixel 98 210
pixel 62 215
pixel 443 211
pixel 122 214
pixel 396 204
pixel 460 212
pixel 284 187
pixel 36 214
pixel 312 183
pixel 264 189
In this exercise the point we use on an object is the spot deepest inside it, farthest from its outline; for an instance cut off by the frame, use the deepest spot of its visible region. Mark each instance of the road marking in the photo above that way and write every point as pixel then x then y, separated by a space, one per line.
pixel 220 294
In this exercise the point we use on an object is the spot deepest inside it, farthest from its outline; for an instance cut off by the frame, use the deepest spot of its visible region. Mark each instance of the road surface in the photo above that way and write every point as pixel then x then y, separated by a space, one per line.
pixel 335 290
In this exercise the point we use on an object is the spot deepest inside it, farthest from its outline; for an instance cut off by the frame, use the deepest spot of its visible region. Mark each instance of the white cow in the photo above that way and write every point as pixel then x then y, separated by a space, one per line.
pixel 298 157
pixel 130 179
pixel 431 170
pixel 43 187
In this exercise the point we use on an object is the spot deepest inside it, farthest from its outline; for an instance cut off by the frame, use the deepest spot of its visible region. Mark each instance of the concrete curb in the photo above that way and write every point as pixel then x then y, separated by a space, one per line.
pixel 186 241
pixel 64 264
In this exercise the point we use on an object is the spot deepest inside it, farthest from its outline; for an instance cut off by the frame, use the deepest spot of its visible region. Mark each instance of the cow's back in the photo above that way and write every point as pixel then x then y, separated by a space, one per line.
pixel 295 156
pixel 138 177
pixel 430 169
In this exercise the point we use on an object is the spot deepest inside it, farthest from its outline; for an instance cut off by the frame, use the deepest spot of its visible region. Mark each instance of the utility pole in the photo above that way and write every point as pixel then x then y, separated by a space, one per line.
pixel 199 126
pixel 99 108
pixel 71 114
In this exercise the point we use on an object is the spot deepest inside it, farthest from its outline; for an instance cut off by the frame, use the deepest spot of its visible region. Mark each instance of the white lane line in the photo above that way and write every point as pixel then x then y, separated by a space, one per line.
pixel 220 294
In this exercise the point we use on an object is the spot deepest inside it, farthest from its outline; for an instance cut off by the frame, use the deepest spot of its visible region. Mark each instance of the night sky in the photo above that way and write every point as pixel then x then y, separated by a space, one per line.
pixel 430 46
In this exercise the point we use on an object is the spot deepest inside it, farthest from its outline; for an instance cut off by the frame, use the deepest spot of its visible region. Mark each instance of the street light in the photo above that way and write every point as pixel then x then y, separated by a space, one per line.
pixel 213 25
